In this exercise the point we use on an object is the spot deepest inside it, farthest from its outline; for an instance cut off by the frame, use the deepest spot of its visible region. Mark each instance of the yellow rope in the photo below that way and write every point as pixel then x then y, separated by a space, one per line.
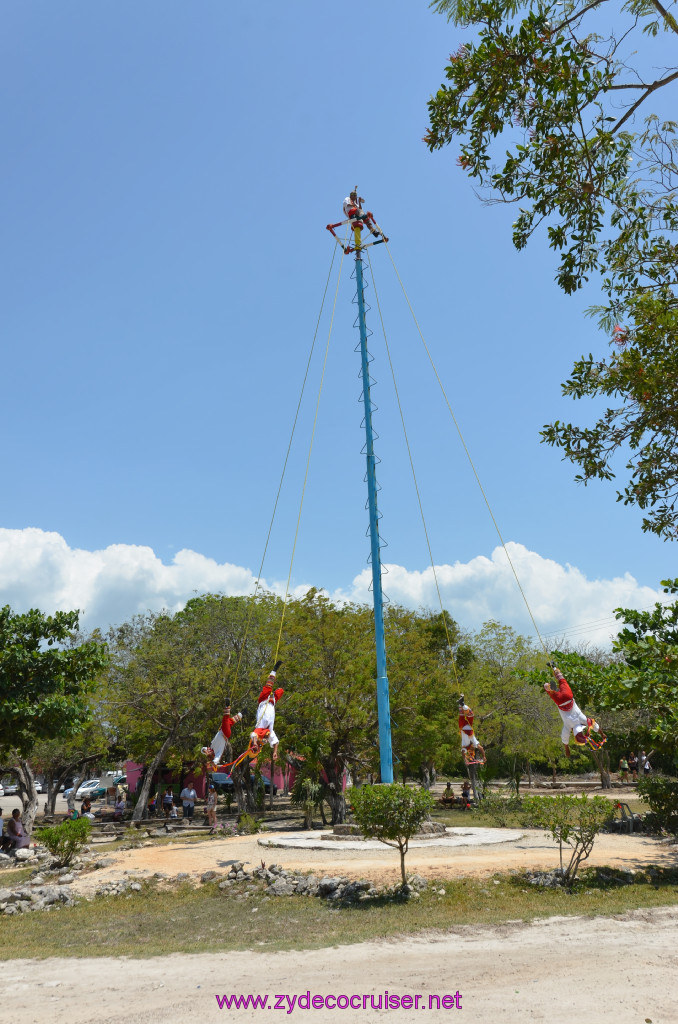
pixel 468 454
pixel 414 475
pixel 284 470
pixel 308 458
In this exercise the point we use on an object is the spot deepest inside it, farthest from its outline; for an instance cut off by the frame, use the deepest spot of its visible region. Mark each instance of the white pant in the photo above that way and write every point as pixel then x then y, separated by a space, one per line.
pixel 469 740
pixel 574 721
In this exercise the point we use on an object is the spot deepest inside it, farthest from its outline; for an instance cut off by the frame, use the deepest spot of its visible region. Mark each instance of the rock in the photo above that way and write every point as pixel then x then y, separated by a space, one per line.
pixel 105 862
pixel 4 859
pixel 329 885
pixel 226 884
pixel 10 910
pixel 208 876
pixel 5 895
pixel 182 876
pixel 109 828
pixel 135 886
pixel 240 875
pixel 281 887
pixel 418 882
pixel 65 879
pixel 25 854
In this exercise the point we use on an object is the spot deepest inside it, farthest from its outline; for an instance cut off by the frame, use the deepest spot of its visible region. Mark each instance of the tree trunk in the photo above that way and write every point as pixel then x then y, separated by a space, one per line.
pixel 142 798
pixel 78 779
pixel 244 792
pixel 602 759
pixel 270 789
pixel 27 792
pixel 476 785
pixel 335 799
pixel 403 850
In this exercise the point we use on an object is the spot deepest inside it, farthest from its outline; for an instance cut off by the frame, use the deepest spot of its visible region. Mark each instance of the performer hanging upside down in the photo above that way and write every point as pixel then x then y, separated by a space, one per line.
pixel 221 741
pixel 574 719
pixel 470 747
pixel 353 210
pixel 263 731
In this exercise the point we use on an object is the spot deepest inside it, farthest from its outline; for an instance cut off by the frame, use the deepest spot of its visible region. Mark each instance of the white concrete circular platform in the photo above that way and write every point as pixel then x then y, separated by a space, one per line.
pixel 452 837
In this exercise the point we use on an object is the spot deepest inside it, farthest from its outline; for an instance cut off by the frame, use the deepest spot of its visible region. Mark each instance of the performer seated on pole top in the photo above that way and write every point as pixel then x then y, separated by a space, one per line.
pixel 355 213
pixel 263 731
pixel 574 720
pixel 470 747
pixel 223 737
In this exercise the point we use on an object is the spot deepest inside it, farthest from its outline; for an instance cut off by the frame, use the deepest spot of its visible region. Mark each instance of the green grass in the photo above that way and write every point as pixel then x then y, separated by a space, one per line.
pixel 184 919
pixel 15 876
pixel 477 818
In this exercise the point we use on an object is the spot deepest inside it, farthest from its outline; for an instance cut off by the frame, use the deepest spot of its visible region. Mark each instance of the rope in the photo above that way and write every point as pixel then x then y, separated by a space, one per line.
pixel 468 454
pixel 282 475
pixel 414 475
pixel 308 459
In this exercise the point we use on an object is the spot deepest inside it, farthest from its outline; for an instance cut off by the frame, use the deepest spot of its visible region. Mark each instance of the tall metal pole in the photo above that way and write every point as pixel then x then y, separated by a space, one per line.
pixel 383 704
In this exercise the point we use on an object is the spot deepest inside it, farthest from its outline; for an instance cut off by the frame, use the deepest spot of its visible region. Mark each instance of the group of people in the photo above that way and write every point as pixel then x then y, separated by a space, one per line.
pixel 448 799
pixel 637 767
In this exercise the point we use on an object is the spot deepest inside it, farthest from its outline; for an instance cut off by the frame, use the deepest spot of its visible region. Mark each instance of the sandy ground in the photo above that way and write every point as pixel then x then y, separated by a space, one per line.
pixel 532 850
pixel 622 970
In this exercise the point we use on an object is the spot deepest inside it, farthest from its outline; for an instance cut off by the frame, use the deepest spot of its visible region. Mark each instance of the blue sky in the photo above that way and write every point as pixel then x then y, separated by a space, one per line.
pixel 169 171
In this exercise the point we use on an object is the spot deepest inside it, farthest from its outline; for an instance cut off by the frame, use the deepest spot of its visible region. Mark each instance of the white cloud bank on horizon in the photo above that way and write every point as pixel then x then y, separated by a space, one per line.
pixel 39 569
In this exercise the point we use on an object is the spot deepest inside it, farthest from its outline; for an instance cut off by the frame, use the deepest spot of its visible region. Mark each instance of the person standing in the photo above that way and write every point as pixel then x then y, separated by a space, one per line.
pixel 167 801
pixel 633 766
pixel 623 769
pixel 188 796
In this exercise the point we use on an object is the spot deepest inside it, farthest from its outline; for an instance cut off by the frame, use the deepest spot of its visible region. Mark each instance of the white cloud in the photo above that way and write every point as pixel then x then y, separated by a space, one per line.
pixel 39 569
pixel 563 601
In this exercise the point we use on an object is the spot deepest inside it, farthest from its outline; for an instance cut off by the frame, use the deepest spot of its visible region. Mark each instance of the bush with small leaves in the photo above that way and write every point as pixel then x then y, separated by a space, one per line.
pixel 572 821
pixel 64 841
pixel 392 814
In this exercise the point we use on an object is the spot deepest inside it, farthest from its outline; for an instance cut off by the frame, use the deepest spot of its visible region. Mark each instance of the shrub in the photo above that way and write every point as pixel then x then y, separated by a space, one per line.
pixel 392 814
pixel 571 820
pixel 661 792
pixel 499 810
pixel 66 840
pixel 248 825
pixel 307 795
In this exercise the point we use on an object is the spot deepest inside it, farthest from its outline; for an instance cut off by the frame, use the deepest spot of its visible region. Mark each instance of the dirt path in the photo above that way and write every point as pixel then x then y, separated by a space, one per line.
pixel 620 970
pixel 532 850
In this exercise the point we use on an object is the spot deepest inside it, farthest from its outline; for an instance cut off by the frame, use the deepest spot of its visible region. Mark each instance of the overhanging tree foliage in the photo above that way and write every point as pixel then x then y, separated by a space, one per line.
pixel 46 675
pixel 550 107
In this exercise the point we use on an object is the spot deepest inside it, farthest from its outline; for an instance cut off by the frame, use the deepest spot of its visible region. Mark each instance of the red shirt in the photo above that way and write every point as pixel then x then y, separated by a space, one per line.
pixel 227 724
pixel 563 696
pixel 466 721
pixel 268 690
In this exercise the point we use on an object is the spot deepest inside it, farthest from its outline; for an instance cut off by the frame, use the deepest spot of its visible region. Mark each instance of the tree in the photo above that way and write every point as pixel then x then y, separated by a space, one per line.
pixel 392 814
pixel 155 694
pixel 46 674
pixel 540 78
pixel 572 821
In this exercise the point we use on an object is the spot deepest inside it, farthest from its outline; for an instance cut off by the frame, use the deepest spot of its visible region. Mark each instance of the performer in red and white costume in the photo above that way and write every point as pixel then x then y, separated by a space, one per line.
pixel 216 751
pixel 574 719
pixel 470 747
pixel 353 210
pixel 264 731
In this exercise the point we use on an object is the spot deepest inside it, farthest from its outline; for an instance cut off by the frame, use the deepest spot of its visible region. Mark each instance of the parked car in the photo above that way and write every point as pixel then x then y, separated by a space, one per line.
pixel 38 786
pixel 222 782
pixel 2 792
pixel 84 789
pixel 11 789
